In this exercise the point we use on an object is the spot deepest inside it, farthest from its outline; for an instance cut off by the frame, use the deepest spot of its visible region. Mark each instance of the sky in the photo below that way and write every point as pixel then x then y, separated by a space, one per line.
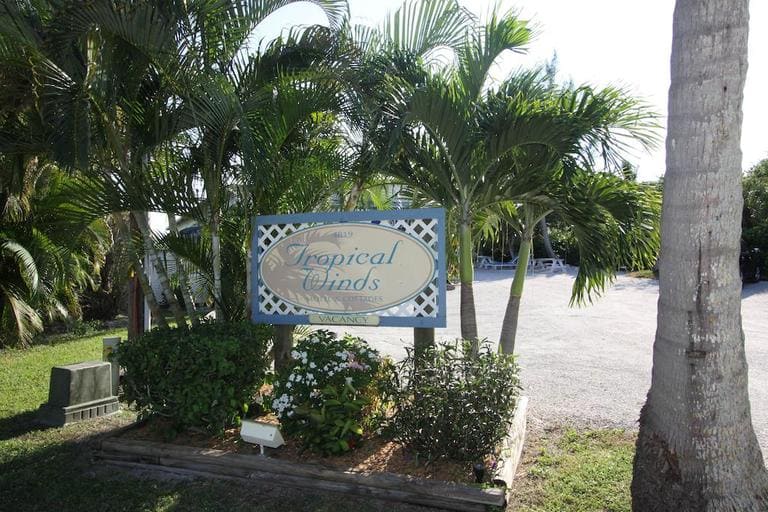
pixel 624 43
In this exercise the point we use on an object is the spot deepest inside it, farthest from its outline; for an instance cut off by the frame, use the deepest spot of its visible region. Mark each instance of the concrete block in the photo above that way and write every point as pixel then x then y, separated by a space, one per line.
pixel 79 392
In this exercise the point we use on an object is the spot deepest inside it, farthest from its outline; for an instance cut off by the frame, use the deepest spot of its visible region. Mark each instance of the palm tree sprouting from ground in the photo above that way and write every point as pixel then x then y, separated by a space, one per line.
pixel 696 449
pixel 614 219
pixel 227 93
pixel 615 223
pixel 449 154
pixel 471 144
pixel 49 252
pixel 97 95
pixel 123 83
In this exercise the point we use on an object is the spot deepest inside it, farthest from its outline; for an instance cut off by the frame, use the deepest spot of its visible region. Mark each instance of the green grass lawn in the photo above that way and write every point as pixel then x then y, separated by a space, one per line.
pixel 53 469
pixel 24 373
pixel 576 471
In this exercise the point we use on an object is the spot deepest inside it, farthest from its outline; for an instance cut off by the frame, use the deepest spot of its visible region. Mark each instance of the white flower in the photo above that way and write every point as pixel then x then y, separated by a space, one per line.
pixel 289 385
pixel 276 384
pixel 298 378
pixel 349 380
pixel 295 354
pixel 290 413
pixel 291 378
pixel 310 376
pixel 312 365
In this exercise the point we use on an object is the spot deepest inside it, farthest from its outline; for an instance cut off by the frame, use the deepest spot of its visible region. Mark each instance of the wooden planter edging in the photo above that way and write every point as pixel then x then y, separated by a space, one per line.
pixel 226 465
pixel 512 446
pixel 211 463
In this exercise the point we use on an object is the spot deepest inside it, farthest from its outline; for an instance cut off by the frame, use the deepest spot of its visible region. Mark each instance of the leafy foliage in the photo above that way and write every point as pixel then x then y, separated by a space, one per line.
pixel 453 404
pixel 49 250
pixel 330 396
pixel 203 377
pixel 755 218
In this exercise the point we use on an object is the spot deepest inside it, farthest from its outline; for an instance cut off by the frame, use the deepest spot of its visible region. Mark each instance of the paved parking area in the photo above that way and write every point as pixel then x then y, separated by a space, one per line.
pixel 589 365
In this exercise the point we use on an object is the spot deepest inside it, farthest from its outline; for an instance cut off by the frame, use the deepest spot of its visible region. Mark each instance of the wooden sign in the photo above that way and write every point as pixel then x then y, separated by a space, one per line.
pixel 351 268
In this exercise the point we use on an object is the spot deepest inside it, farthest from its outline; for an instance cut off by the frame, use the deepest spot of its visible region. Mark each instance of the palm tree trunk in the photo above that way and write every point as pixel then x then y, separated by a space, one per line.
pixel 354 195
pixel 466 276
pixel 143 224
pixel 696 449
pixel 189 297
pixel 141 274
pixel 154 307
pixel 544 228
pixel 216 251
pixel 512 313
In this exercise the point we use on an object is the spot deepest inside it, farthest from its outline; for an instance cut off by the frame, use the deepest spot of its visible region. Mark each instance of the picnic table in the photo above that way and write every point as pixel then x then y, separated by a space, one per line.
pixel 549 264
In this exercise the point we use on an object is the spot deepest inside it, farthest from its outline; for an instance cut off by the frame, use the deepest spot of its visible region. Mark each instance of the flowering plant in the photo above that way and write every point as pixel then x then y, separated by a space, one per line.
pixel 327 396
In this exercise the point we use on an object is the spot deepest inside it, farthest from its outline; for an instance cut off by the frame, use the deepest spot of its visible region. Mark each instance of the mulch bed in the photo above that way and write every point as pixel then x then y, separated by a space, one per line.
pixel 374 454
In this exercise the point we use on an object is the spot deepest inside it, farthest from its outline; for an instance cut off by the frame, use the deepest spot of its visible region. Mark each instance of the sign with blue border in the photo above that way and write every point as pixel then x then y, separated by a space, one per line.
pixel 369 268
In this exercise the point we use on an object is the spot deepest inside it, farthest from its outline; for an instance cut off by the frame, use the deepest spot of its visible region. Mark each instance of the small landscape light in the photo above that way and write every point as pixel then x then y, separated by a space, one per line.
pixel 262 434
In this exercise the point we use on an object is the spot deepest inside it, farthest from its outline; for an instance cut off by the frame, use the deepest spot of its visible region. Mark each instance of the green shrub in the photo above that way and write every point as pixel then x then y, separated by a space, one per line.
pixel 203 377
pixel 329 397
pixel 455 406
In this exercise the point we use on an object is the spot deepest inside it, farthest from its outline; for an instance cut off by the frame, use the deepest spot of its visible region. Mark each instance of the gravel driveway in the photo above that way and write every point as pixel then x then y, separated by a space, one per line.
pixel 589 365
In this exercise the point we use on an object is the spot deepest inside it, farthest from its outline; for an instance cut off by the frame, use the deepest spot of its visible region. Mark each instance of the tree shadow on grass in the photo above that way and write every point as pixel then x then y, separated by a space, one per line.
pixel 20 424
pixel 56 469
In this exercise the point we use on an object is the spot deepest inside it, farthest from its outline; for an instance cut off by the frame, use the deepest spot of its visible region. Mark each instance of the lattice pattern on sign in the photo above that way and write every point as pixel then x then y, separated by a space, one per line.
pixel 425 304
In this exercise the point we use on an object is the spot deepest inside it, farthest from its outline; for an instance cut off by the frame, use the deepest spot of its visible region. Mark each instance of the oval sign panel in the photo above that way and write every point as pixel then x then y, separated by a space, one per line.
pixel 347 268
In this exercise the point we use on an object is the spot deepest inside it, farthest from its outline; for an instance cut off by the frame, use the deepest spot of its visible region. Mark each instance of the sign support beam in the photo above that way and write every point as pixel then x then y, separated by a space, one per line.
pixel 282 345
pixel 423 339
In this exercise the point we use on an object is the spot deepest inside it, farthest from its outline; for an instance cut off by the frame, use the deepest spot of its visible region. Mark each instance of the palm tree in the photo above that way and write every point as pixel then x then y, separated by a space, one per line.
pixel 49 252
pixel 470 144
pixel 614 219
pixel 450 153
pixel 224 89
pixel 697 449
pixel 389 57
pixel 100 102
pixel 615 222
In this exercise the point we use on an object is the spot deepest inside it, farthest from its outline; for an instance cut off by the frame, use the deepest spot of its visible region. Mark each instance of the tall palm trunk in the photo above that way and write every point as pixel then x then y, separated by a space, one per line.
pixel 149 295
pixel 544 229
pixel 165 284
pixel 216 250
pixel 509 325
pixel 696 450
pixel 181 271
pixel 141 274
pixel 354 195
pixel 466 276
